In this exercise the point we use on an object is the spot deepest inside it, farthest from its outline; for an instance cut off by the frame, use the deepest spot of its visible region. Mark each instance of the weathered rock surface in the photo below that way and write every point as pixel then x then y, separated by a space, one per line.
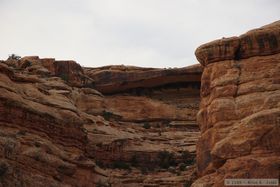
pixel 258 42
pixel 115 79
pixel 239 114
pixel 57 130
pixel 42 135
pixel 165 105
pixel 68 70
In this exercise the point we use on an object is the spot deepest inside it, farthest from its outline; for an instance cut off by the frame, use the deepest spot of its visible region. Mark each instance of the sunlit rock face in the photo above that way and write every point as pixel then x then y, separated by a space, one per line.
pixel 66 125
pixel 239 114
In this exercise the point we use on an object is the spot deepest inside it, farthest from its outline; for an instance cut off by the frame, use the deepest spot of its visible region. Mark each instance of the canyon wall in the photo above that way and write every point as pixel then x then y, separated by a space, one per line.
pixel 239 114
pixel 65 125
pixel 122 126
pixel 158 108
pixel 42 139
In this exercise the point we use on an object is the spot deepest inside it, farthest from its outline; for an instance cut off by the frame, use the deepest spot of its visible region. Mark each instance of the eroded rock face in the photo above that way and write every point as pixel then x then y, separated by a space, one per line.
pixel 42 140
pixel 56 130
pixel 239 114
pixel 259 42
pixel 116 79
pixel 156 111
pixel 68 70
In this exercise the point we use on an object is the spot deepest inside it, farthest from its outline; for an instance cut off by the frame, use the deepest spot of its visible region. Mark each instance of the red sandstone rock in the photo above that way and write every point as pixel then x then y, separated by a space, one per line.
pixel 259 42
pixel 42 136
pixel 55 130
pixel 69 71
pixel 114 79
pixel 239 112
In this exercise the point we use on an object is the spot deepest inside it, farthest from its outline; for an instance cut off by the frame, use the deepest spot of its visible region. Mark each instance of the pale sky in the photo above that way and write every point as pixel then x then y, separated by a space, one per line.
pixel 149 33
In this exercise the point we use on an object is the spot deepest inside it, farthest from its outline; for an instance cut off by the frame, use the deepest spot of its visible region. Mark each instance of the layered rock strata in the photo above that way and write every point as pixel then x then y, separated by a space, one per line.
pixel 43 139
pixel 116 79
pixel 158 109
pixel 57 129
pixel 239 114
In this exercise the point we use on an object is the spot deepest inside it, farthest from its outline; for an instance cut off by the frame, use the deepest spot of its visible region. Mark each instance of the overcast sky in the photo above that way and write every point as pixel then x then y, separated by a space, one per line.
pixel 149 33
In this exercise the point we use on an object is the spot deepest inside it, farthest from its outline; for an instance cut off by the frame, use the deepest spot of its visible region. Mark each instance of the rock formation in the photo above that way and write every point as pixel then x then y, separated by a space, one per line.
pixel 64 125
pixel 123 126
pixel 166 108
pixel 115 79
pixel 42 139
pixel 239 114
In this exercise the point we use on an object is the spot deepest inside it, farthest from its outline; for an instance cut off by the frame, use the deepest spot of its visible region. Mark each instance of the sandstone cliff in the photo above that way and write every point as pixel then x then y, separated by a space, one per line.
pixel 115 79
pixel 43 140
pixel 239 114
pixel 165 100
pixel 64 125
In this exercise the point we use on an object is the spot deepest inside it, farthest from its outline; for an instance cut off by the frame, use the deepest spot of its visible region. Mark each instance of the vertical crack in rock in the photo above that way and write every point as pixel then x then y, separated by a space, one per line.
pixel 237 53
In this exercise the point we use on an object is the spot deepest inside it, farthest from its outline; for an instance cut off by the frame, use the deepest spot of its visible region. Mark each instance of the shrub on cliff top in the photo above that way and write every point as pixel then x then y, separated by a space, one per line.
pixel 14 57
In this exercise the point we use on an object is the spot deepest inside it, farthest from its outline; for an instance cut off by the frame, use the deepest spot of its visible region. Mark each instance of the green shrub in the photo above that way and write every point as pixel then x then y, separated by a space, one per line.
pixel 99 163
pixel 107 115
pixel 134 161
pixel 146 126
pixel 188 184
pixel 21 132
pixel 186 155
pixel 3 168
pixel 26 64
pixel 37 144
pixel 120 165
pixel 157 125
pixel 64 77
pixel 99 145
pixel 144 170
pixel 182 167
pixel 66 169
pixel 14 57
pixel 190 161
pixel 187 158
pixel 166 159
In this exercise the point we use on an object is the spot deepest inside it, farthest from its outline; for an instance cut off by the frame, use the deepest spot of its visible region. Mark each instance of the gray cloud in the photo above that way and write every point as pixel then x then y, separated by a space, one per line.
pixel 157 33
